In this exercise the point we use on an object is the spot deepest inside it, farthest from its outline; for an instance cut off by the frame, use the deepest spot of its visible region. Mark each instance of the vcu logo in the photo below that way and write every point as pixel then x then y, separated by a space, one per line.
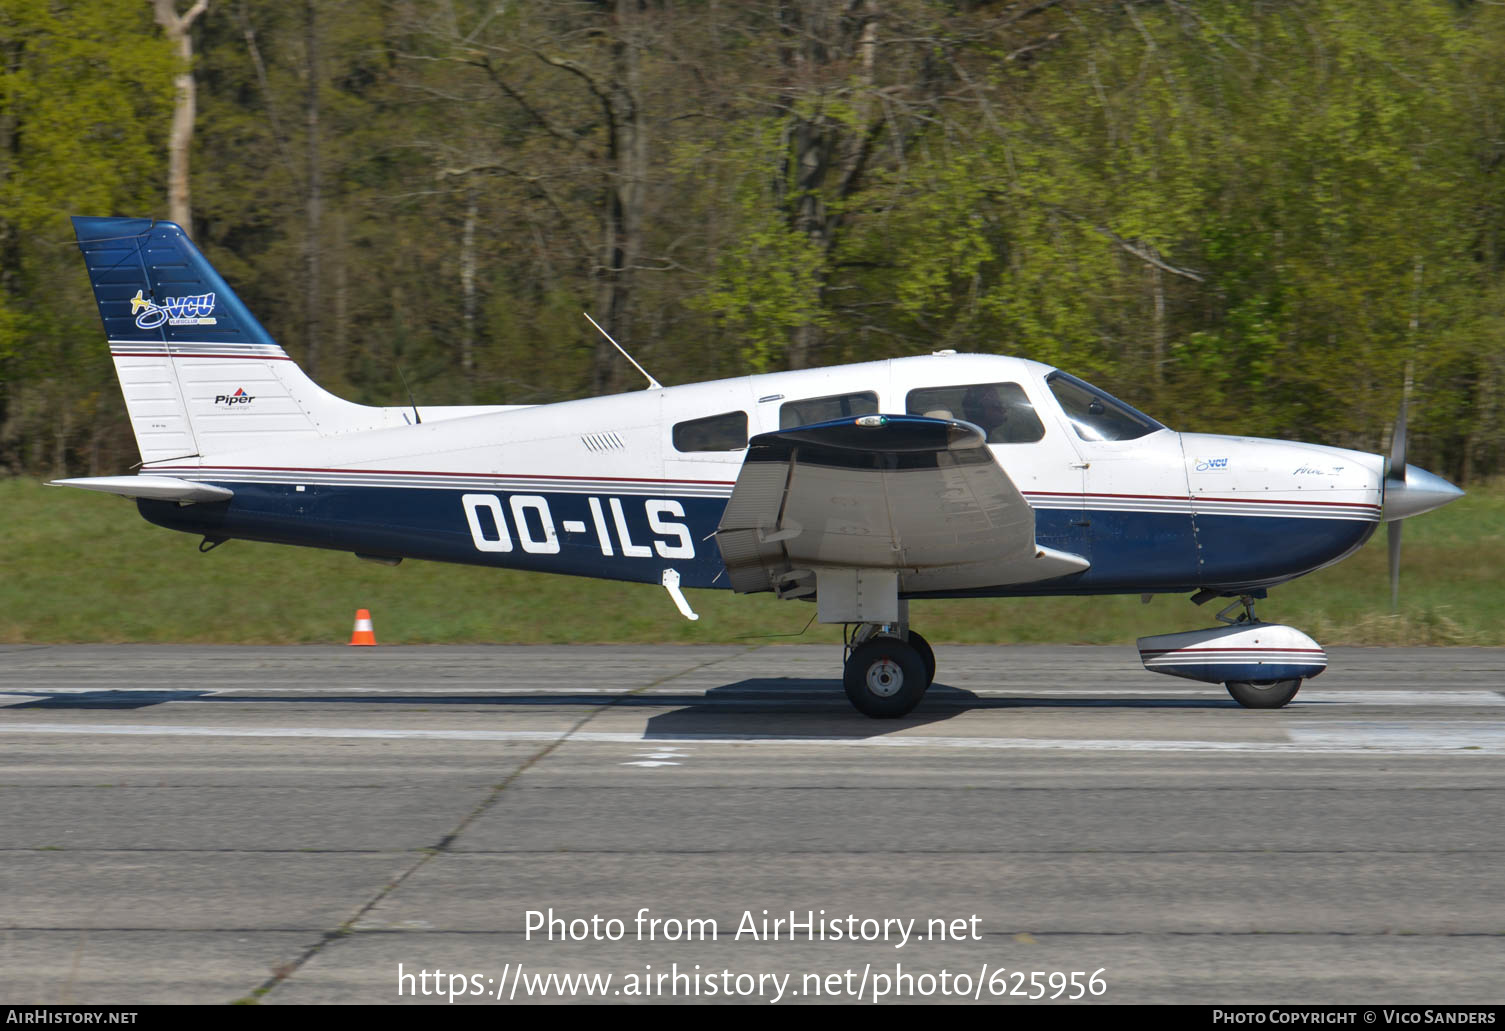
pixel 240 397
pixel 195 310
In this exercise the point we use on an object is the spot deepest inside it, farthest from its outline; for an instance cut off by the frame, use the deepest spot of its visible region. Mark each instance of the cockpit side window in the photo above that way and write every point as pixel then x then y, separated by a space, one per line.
pixel 1001 409
pixel 1096 415
pixel 726 432
pixel 824 409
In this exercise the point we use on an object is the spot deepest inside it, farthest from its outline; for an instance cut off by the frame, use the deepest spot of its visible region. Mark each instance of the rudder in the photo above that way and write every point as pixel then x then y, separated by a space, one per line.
pixel 201 376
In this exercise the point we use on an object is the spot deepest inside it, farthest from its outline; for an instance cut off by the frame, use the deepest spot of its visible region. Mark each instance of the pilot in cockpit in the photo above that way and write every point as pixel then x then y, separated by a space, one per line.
pixel 983 406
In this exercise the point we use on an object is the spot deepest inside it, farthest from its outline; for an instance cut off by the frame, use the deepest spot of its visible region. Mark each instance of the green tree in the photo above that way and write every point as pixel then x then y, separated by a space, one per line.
pixel 84 94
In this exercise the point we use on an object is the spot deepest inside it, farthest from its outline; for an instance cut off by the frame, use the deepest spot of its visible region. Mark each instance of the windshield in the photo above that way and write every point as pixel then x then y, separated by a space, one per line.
pixel 1096 415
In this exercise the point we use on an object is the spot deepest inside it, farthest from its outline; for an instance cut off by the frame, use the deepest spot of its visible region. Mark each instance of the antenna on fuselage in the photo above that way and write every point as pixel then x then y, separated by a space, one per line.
pixel 411 400
pixel 653 384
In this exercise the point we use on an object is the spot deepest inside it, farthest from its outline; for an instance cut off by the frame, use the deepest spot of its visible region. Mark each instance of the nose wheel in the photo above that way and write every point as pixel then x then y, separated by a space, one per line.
pixel 1263 694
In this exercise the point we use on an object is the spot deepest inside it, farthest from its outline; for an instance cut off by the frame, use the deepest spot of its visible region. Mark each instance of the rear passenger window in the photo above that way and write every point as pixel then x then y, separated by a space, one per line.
pixel 716 433
pixel 1001 409
pixel 824 409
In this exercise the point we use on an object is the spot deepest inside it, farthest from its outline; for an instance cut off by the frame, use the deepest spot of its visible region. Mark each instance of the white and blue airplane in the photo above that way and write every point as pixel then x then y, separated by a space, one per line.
pixel 858 487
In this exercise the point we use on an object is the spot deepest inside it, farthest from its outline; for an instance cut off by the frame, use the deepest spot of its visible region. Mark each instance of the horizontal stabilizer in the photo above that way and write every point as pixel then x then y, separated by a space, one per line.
pixel 158 488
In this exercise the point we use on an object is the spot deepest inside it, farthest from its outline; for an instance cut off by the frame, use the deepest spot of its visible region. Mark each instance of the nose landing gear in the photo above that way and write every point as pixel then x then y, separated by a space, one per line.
pixel 1263 694
pixel 1256 694
pixel 1262 665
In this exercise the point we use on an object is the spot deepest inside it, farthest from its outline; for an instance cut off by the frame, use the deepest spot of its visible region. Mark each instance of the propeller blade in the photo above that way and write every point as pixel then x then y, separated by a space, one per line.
pixel 1392 538
pixel 1397 470
pixel 1396 474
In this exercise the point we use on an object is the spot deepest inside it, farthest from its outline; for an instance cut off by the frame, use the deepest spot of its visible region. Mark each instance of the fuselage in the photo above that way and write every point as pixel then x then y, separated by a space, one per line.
pixel 623 486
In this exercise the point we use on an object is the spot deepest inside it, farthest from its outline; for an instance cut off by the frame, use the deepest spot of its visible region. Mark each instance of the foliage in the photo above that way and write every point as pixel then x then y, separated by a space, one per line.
pixel 768 275
pixel 1271 217
pixel 85 94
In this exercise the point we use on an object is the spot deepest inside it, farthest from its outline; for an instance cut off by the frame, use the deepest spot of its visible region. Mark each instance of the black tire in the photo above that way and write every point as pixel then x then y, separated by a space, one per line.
pixel 885 678
pixel 1263 694
pixel 927 655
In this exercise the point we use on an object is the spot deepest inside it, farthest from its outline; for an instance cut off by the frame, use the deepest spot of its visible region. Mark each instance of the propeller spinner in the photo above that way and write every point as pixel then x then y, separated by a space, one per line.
pixel 1409 491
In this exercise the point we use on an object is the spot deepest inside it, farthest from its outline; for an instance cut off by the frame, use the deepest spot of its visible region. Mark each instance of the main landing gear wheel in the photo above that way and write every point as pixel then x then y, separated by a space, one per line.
pixel 1263 694
pixel 885 677
pixel 927 655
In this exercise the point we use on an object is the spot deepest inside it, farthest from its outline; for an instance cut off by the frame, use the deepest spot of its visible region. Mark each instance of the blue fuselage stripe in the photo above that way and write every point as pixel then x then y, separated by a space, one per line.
pixel 635 537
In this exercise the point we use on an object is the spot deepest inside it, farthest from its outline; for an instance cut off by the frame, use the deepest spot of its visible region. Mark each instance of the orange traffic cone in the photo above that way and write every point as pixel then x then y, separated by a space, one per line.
pixel 362 634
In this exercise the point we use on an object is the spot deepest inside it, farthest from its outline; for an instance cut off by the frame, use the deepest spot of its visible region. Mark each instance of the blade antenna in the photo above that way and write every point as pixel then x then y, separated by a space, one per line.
pixel 411 401
pixel 653 384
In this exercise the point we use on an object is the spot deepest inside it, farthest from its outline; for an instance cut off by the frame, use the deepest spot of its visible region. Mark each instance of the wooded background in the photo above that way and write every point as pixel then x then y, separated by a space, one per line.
pixel 1271 217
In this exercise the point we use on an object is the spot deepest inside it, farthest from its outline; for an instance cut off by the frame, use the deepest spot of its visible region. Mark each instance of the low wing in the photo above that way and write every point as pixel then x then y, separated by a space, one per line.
pixel 923 497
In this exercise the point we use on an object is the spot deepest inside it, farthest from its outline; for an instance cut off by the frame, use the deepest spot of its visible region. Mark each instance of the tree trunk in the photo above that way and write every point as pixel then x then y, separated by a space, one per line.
pixel 468 293
pixel 813 145
pixel 313 201
pixel 336 357
pixel 10 239
pixel 626 174
pixel 821 144
pixel 180 137
pixel 1157 370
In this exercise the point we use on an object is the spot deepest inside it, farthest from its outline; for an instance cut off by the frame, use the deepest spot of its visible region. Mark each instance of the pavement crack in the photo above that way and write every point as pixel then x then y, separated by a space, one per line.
pixel 285 971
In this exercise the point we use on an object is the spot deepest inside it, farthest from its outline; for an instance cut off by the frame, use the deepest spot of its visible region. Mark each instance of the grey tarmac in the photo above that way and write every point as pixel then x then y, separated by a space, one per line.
pixel 289 824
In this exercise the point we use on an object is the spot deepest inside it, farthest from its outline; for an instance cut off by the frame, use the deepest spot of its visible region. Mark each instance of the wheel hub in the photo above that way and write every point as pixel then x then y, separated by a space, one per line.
pixel 885 678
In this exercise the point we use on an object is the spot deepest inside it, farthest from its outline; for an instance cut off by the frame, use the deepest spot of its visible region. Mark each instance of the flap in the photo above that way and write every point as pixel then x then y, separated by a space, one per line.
pixel 921 496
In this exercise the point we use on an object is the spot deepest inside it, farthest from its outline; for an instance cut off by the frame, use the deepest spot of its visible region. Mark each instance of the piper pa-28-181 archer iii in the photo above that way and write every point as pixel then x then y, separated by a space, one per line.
pixel 858 487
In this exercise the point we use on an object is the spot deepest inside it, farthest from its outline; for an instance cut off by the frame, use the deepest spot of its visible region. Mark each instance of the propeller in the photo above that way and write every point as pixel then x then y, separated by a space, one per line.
pixel 1396 475
pixel 1409 491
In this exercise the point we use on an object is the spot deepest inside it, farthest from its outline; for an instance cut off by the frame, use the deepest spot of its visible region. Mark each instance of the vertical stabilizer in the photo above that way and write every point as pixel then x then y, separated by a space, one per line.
pixel 201 376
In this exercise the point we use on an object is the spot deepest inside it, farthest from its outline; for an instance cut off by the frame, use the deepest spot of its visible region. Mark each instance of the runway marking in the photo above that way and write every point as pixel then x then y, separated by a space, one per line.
pixel 1306 740
pixel 774 695
pixel 1413 733
pixel 1308 696
pixel 667 756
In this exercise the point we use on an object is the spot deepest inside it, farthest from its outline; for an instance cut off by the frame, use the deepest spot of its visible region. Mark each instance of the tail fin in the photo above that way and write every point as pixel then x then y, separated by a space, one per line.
pixel 201 376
